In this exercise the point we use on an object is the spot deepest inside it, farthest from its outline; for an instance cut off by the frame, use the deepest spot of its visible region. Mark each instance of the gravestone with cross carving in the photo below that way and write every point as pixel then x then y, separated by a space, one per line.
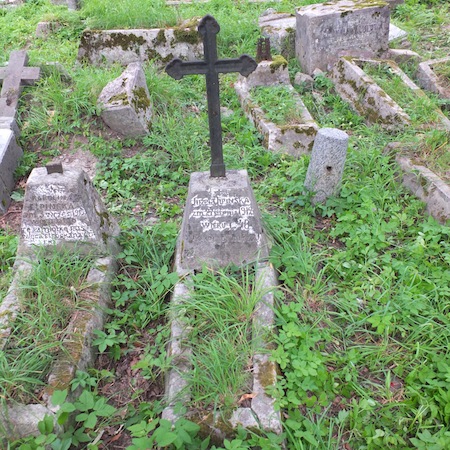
pixel 13 77
pixel 221 223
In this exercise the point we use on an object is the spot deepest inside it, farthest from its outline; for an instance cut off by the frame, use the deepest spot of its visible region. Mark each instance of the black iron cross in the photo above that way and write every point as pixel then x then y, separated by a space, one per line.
pixel 211 67
pixel 14 76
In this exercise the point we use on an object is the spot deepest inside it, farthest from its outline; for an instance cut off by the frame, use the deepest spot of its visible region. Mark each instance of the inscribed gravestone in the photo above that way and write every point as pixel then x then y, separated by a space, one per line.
pixel 65 209
pixel 346 27
pixel 221 222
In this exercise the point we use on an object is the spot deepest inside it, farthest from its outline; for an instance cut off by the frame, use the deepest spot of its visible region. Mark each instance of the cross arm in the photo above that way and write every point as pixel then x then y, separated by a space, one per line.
pixel 177 68
pixel 245 65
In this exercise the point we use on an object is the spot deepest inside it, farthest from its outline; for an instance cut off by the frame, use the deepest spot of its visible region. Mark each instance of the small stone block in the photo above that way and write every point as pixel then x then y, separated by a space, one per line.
pixel 268 73
pixel 304 80
pixel 325 169
pixel 280 29
pixel 65 209
pixel 221 223
pixel 126 103
pixel 346 27
pixel 54 168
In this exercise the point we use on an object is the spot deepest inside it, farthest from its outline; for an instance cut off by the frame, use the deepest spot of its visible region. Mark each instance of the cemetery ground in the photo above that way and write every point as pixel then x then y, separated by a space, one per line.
pixel 363 318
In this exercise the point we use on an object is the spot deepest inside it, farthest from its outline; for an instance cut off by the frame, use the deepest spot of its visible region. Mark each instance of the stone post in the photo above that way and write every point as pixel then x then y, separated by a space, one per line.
pixel 327 164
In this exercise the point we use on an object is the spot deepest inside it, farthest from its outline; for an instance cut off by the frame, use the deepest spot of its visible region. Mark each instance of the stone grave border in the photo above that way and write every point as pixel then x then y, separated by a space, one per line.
pixel 429 80
pixel 262 413
pixel 368 99
pixel 20 420
pixel 293 139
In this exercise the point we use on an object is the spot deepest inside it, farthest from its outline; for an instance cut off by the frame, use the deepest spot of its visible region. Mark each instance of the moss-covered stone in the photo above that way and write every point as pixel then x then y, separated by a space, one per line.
pixel 140 98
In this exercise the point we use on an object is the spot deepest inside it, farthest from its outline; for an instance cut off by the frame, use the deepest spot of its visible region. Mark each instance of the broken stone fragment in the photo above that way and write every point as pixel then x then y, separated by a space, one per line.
pixel 125 103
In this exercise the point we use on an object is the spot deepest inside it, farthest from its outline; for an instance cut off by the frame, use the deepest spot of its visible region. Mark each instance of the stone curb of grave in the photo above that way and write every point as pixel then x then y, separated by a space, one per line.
pixel 368 99
pixel 294 139
pixel 261 414
pixel 21 420
pixel 428 79
pixel 426 186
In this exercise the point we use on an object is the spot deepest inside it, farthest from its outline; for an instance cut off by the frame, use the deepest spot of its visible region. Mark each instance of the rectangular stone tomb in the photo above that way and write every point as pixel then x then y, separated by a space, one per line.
pixel 127 46
pixel 434 76
pixel 294 138
pixel 221 223
pixel 329 30
pixel 65 209
pixel 368 99
pixel 10 153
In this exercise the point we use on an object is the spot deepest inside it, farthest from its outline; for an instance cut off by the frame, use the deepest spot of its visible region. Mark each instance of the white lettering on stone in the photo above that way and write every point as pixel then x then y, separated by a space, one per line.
pixel 48 234
pixel 65 213
pixel 51 190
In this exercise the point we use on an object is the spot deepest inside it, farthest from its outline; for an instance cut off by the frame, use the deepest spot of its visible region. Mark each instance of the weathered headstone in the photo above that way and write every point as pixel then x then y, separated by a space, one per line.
pixel 125 102
pixel 221 223
pixel 10 153
pixel 346 27
pixel 62 207
pixel 327 162
pixel 14 76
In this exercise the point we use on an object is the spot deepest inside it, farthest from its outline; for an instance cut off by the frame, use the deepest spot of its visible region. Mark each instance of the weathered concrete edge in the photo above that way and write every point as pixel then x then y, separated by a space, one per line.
pixel 427 186
pixel 429 81
pixel 20 420
pixel 273 134
pixel 262 413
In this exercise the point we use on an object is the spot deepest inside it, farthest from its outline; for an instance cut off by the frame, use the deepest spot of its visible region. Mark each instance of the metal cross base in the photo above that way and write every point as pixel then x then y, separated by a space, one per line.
pixel 211 67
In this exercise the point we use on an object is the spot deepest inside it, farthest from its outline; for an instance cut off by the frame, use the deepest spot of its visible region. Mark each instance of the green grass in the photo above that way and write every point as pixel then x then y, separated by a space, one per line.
pixel 48 297
pixel 363 318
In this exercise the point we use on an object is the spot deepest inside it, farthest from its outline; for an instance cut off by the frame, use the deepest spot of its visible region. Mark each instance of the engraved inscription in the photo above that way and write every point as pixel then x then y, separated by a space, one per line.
pixel 65 213
pixel 48 234
pixel 51 190
pixel 220 210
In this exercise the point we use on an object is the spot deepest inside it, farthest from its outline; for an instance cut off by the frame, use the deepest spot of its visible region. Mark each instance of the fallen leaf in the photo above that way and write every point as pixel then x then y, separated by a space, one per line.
pixel 246 397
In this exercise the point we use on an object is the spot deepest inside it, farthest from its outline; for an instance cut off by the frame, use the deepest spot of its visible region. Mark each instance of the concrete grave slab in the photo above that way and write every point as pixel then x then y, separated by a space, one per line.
pixel 125 102
pixel 369 100
pixel 427 186
pixel 10 153
pixel 280 29
pixel 346 27
pixel 127 46
pixel 64 209
pixel 396 33
pixel 430 79
pixel 294 139
pixel 221 222
pixel 366 97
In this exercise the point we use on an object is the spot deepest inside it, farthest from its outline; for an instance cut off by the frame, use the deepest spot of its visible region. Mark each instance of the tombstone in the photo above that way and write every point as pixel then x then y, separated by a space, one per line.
pixel 10 153
pixel 280 29
pixel 14 76
pixel 62 208
pixel 125 102
pixel 221 222
pixel 325 169
pixel 346 27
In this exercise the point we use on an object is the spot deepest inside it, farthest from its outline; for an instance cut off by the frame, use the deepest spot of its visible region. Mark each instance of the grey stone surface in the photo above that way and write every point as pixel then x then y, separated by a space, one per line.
pixel 268 73
pixel 10 123
pixel 304 80
pixel 45 29
pixel 430 81
pixel 64 209
pixel 366 97
pixel 280 29
pixel 326 166
pixel 14 76
pixel 427 186
pixel 127 46
pixel 396 33
pixel 71 4
pixel 221 222
pixel 125 102
pixel 333 29
pixel 294 139
pixel 10 153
